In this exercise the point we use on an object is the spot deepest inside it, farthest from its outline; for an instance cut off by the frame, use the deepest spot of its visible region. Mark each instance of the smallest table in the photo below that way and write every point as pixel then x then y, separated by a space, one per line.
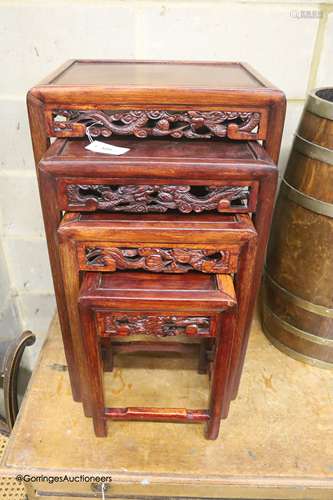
pixel 124 303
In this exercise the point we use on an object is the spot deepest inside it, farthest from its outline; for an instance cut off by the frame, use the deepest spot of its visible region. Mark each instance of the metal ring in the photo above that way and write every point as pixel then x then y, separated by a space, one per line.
pixel 306 201
pixel 318 106
pixel 313 150
pixel 298 332
pixel 297 355
pixel 302 303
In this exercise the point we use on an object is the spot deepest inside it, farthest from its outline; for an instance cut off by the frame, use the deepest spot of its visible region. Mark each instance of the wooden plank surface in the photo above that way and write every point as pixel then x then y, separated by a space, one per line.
pixel 152 74
pixel 276 443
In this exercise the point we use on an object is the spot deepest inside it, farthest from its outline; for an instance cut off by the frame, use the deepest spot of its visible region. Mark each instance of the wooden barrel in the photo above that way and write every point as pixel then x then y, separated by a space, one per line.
pixel 297 303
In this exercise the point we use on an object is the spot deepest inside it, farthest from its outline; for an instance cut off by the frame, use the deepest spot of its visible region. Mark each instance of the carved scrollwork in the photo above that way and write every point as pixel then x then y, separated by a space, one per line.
pixel 160 260
pixel 142 124
pixel 157 198
pixel 121 324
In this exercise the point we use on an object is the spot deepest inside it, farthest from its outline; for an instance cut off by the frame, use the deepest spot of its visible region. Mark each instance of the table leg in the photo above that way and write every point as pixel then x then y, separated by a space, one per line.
pixel 219 395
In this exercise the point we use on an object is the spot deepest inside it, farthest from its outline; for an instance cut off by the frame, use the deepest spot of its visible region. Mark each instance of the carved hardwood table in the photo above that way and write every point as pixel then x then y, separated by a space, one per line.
pixel 202 139
pixel 109 306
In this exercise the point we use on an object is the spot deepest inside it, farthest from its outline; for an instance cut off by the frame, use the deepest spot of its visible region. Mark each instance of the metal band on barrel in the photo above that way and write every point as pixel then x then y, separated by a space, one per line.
pixel 318 106
pixel 306 201
pixel 312 150
pixel 296 355
pixel 297 331
pixel 298 301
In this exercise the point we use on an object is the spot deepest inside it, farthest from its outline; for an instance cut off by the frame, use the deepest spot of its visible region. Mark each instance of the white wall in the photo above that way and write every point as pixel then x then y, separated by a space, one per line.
pixel 292 51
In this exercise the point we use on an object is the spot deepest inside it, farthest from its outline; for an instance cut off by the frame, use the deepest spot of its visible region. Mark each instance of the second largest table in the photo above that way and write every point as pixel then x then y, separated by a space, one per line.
pixel 171 177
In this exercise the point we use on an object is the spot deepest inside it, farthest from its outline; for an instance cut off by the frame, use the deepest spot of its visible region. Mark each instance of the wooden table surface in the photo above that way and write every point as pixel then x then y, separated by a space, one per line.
pixel 276 443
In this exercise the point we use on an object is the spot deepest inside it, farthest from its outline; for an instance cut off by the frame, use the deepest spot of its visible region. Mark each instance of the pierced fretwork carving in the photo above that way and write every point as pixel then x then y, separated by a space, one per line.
pixel 142 124
pixel 160 260
pixel 121 324
pixel 157 198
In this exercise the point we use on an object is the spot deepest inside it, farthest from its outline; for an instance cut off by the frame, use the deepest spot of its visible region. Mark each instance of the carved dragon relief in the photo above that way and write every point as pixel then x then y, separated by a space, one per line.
pixel 157 198
pixel 165 260
pixel 142 124
pixel 122 324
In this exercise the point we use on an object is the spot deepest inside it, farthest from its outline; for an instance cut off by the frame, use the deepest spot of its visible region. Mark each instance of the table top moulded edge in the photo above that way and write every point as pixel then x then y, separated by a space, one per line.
pixel 46 95
pixel 54 163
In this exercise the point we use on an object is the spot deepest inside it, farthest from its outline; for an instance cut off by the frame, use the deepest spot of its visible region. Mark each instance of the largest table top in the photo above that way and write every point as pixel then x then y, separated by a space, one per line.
pixel 276 443
pixel 167 74
pixel 156 82
pixel 178 99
